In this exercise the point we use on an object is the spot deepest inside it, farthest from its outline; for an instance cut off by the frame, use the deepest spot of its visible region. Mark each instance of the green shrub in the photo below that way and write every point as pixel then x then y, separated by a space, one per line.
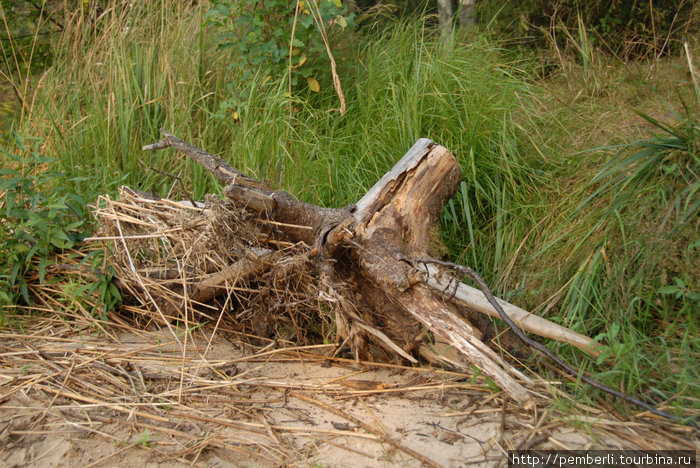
pixel 261 32
pixel 39 220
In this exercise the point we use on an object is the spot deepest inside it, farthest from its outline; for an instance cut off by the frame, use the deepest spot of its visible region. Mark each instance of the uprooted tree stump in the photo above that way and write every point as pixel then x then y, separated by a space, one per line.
pixel 365 266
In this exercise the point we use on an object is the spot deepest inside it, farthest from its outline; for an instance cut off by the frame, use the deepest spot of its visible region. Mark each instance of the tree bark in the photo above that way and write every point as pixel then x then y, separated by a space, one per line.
pixel 445 15
pixel 466 13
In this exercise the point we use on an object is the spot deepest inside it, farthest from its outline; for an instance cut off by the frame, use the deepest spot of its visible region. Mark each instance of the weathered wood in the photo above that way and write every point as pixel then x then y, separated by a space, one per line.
pixel 474 299
pixel 393 222
pixel 301 222
pixel 222 170
pixel 406 203
pixel 242 270
pixel 443 321
pixel 368 252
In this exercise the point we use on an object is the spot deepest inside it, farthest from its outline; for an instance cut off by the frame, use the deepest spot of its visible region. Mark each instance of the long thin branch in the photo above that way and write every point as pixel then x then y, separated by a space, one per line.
pixel 222 170
pixel 466 271
pixel 473 299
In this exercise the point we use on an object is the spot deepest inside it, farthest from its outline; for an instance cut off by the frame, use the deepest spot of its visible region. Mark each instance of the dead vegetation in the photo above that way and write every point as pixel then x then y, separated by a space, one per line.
pixel 74 396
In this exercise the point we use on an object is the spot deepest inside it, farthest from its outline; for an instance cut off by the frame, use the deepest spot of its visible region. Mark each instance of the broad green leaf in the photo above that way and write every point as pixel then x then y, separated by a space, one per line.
pixel 669 289
pixel 74 225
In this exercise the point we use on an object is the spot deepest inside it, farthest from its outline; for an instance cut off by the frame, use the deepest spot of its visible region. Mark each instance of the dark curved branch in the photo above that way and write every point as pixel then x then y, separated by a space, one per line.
pixel 219 168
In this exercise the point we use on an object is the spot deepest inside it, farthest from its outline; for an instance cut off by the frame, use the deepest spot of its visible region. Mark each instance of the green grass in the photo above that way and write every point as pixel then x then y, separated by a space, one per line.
pixel 594 239
pixel 621 229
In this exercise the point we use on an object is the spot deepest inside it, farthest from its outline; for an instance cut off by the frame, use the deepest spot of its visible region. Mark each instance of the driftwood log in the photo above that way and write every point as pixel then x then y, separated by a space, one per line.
pixel 370 262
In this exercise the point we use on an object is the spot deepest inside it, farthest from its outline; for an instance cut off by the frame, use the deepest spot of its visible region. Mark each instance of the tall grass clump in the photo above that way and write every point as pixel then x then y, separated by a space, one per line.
pixel 406 83
pixel 401 83
pixel 119 77
pixel 650 215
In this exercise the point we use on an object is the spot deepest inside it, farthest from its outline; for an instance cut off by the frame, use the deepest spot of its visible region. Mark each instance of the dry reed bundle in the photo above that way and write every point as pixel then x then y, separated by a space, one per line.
pixel 201 263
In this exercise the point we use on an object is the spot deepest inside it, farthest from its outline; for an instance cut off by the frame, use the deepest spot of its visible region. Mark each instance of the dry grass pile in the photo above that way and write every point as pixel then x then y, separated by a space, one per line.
pixel 212 262
pixel 71 395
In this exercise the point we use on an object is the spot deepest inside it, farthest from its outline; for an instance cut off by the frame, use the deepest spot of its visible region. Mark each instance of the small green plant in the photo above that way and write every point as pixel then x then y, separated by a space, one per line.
pixel 680 290
pixel 38 217
pixel 146 439
pixel 615 347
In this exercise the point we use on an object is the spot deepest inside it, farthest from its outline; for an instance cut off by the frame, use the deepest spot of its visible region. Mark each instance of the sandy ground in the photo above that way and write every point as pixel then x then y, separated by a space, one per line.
pixel 131 399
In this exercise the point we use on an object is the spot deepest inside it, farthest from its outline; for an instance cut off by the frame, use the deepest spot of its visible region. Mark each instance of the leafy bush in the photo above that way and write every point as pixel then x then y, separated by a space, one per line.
pixel 37 217
pixel 261 33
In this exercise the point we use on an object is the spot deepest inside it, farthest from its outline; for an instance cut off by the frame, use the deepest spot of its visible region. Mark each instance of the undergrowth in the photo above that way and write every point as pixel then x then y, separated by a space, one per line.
pixel 41 221
pixel 603 240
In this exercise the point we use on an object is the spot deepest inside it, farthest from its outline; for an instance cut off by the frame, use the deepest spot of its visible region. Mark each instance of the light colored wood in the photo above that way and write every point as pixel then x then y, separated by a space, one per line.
pixel 445 14
pixel 376 197
pixel 474 299
pixel 443 321
pixel 392 224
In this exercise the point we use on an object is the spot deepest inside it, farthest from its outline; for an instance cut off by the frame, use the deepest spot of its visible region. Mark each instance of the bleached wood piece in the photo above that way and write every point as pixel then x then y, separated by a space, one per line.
pixel 474 299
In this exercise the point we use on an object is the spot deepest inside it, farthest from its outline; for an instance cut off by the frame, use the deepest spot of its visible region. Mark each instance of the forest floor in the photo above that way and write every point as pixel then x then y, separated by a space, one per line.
pixel 75 395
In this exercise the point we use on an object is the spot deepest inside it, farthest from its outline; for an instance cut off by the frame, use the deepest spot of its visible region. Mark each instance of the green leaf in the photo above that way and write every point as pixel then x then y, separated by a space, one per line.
pixel 14 274
pixel 5 299
pixel 74 225
pixel 24 291
pixel 669 289
pixel 603 356
pixel 43 263
pixel 614 330
pixel 60 239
